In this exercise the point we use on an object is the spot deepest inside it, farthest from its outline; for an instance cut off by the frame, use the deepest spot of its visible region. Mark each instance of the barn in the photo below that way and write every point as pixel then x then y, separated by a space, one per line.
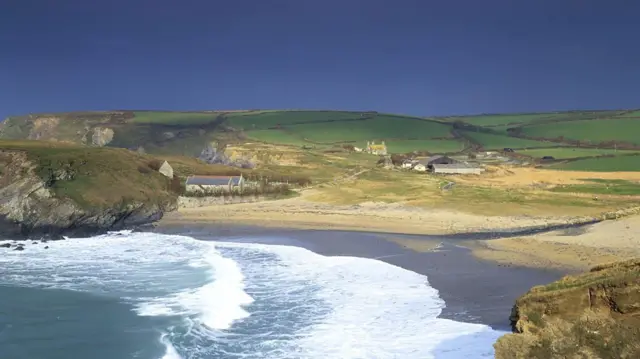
pixel 456 168
pixel 427 163
pixel 214 184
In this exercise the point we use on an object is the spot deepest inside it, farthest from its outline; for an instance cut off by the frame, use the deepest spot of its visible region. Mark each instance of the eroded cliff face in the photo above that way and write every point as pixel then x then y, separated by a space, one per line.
pixel 593 315
pixel 29 208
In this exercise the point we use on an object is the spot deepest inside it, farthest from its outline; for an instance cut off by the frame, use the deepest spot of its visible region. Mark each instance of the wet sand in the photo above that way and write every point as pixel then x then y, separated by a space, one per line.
pixel 474 290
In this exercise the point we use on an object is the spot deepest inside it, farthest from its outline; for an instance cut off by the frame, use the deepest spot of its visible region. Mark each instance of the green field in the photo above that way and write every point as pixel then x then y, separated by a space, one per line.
pixel 431 146
pixel 378 128
pixel 497 120
pixel 602 164
pixel 357 133
pixel 492 142
pixel 279 137
pixel 630 114
pixel 571 152
pixel 264 120
pixel 594 131
pixel 173 118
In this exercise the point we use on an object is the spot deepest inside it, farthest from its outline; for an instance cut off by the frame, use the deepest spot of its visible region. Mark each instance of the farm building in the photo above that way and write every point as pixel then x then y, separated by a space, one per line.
pixel 210 184
pixel 376 149
pixel 456 168
pixel 408 164
pixel 437 160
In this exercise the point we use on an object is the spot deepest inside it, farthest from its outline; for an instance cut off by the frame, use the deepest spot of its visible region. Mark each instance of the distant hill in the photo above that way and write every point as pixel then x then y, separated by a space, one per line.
pixel 570 136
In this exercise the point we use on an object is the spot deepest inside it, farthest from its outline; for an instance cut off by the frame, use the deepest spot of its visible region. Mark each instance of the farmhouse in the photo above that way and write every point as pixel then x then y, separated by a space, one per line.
pixel 456 168
pixel 213 184
pixel 376 149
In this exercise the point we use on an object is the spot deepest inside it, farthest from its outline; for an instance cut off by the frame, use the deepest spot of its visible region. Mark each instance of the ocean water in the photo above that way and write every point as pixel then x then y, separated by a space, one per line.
pixel 147 295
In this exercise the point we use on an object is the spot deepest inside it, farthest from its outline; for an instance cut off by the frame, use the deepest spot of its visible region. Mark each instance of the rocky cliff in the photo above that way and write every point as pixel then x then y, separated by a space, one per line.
pixel 64 190
pixel 593 315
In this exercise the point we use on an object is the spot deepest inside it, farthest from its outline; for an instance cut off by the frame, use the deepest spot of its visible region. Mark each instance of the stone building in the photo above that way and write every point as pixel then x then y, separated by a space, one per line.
pixel 376 149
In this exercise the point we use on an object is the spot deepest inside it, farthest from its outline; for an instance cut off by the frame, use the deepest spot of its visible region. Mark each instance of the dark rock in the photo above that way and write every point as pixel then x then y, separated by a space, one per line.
pixel 46 247
pixel 34 242
pixel 5 245
pixel 19 248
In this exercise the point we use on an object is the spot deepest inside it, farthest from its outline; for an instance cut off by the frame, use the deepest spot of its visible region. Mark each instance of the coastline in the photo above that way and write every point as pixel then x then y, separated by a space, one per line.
pixel 474 290
pixel 568 244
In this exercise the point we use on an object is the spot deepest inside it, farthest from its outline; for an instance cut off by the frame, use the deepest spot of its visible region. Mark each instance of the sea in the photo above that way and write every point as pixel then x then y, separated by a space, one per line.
pixel 157 296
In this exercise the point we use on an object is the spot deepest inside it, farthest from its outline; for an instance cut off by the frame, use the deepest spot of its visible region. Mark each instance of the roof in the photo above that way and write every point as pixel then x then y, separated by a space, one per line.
pixel 453 165
pixel 213 180
pixel 428 160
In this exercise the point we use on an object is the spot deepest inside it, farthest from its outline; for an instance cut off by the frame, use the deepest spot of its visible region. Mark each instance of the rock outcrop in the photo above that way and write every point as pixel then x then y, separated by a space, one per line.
pixel 213 155
pixel 593 315
pixel 101 136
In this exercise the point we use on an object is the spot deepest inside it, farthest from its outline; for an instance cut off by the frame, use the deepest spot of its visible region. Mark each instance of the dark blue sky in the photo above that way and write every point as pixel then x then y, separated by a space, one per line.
pixel 418 57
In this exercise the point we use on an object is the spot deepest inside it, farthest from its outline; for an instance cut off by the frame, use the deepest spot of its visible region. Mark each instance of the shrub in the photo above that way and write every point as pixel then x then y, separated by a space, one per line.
pixel 144 169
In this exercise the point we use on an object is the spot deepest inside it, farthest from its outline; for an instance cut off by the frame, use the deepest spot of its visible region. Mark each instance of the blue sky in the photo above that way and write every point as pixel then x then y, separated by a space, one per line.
pixel 417 57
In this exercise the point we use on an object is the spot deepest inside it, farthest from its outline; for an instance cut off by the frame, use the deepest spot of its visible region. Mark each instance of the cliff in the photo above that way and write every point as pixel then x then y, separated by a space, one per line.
pixel 592 315
pixel 53 189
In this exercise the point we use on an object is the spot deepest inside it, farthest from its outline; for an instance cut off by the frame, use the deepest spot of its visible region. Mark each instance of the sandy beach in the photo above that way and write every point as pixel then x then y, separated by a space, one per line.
pixel 576 248
pixel 369 216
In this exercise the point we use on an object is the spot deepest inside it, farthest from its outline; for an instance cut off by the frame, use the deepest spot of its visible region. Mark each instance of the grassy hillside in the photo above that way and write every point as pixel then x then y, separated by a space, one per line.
pixel 602 164
pixel 592 131
pixel 107 177
pixel 572 152
pixel 589 133
pixel 490 141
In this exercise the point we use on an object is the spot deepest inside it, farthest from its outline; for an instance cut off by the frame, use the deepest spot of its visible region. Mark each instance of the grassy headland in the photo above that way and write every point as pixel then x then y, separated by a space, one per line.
pixel 592 315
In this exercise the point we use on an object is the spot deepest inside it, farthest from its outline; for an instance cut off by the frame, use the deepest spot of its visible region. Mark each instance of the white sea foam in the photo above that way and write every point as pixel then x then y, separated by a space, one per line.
pixel 378 311
pixel 296 304
pixel 134 265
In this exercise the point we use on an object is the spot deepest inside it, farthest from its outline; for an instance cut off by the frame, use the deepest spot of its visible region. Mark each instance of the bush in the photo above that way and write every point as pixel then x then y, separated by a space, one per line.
pixel 155 164
pixel 177 185
pixel 144 169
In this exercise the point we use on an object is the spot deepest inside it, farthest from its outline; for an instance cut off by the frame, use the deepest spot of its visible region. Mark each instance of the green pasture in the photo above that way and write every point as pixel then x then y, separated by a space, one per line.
pixel 571 152
pixel 432 146
pixel 602 164
pixel 378 128
pixel 491 141
pixel 593 131
pixel 173 118
pixel 270 119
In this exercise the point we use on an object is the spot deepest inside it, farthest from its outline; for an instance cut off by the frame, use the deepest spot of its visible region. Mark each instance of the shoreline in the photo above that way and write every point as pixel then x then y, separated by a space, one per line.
pixel 474 290
pixel 535 242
